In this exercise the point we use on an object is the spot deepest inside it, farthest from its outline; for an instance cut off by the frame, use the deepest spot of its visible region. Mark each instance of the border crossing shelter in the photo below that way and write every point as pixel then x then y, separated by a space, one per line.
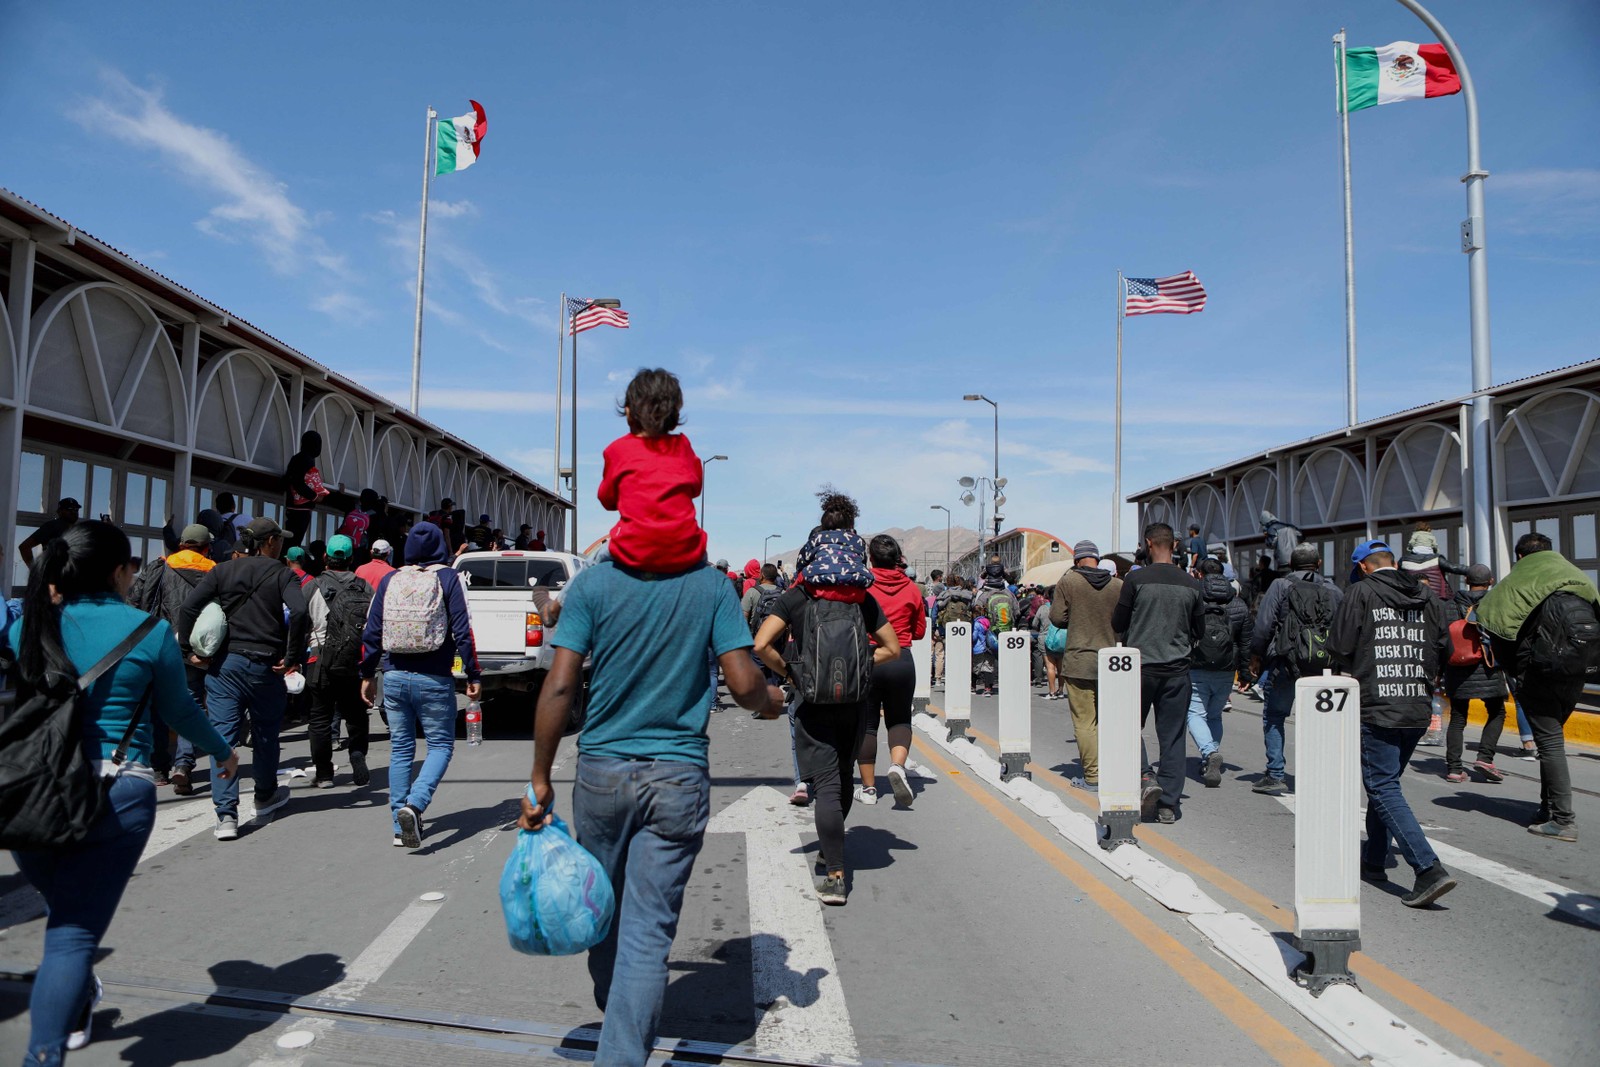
pixel 142 400
pixel 1377 479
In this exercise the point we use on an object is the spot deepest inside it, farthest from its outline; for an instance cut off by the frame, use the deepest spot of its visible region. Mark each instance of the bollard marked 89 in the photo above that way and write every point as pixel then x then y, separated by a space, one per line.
pixel 1016 641
pixel 1332 699
pixel 1119 663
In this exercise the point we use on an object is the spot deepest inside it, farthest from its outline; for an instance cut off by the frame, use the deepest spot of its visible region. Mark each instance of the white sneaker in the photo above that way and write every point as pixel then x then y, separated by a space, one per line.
pixel 79 1038
pixel 227 828
pixel 866 794
pixel 901 787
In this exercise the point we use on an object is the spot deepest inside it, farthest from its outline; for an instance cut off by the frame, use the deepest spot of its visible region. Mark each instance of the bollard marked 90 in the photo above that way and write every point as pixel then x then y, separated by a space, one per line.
pixel 1119 663
pixel 1332 699
pixel 1016 641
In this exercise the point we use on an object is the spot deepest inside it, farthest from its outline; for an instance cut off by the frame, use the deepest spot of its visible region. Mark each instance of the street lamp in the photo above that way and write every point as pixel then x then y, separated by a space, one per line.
pixel 975 489
pixel 997 481
pixel 941 507
pixel 601 302
pixel 764 544
pixel 703 465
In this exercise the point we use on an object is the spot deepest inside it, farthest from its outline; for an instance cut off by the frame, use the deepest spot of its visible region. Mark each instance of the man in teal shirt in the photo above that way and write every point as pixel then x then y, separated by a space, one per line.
pixel 643 790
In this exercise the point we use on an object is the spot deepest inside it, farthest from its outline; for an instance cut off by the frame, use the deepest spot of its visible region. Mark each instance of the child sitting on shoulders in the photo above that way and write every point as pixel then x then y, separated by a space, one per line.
pixel 651 479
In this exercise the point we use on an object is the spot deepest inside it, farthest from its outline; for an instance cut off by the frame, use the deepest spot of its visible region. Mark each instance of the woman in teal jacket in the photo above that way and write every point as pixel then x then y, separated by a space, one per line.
pixel 74 613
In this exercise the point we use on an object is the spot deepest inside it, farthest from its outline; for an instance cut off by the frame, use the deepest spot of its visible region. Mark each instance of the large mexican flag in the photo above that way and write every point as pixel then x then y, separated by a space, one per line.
pixel 1403 70
pixel 458 140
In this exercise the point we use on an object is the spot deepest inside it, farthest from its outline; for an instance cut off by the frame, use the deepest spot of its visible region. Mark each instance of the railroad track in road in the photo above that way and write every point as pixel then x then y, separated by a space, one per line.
pixel 451 1029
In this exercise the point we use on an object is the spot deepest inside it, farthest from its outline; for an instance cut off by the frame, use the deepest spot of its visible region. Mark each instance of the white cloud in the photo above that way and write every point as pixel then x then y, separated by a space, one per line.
pixel 451 209
pixel 345 305
pixel 252 204
pixel 1551 202
pixel 540 405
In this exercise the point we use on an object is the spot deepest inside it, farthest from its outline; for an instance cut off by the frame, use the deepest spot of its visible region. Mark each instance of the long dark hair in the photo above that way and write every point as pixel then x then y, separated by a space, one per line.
pixel 81 562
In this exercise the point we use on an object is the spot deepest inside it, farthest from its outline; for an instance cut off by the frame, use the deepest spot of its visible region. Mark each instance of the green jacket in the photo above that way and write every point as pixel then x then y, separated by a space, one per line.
pixel 1534 578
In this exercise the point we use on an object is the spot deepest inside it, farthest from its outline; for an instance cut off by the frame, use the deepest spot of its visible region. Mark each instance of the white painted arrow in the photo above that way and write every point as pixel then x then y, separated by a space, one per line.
pixel 801 1014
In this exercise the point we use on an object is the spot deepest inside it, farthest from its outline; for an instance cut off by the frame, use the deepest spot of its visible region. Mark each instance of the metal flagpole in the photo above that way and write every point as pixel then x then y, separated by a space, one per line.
pixel 1342 87
pixel 1473 239
pixel 422 259
pixel 561 363
pixel 574 437
pixel 1116 487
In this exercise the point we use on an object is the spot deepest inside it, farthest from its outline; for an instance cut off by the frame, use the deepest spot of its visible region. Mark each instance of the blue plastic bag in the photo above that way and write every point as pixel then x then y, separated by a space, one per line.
pixel 556 897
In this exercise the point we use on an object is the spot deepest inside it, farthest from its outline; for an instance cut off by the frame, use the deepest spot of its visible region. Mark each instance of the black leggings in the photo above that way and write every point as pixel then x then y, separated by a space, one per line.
pixel 893 686
pixel 295 524
pixel 826 739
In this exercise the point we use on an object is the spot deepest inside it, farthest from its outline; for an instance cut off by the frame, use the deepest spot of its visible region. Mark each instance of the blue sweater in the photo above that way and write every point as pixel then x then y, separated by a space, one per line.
pixel 92 626
pixel 426 546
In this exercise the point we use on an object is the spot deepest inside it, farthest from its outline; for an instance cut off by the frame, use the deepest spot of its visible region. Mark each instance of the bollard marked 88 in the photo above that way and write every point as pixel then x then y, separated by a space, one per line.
pixel 1119 663
pixel 1015 641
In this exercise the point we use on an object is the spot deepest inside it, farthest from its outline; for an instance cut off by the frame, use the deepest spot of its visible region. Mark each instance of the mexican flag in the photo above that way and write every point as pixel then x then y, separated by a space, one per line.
pixel 1403 70
pixel 458 140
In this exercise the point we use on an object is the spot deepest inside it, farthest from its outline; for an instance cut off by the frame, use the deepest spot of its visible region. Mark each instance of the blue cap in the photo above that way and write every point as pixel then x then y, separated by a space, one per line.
pixel 1367 548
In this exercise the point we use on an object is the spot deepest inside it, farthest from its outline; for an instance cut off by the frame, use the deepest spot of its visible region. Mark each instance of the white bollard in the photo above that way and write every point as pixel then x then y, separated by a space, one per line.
pixel 1327 828
pixel 1016 705
pixel 958 678
pixel 922 657
pixel 1118 703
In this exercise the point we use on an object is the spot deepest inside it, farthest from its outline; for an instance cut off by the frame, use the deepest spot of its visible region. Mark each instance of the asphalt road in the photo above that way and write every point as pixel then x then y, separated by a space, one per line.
pixel 974 934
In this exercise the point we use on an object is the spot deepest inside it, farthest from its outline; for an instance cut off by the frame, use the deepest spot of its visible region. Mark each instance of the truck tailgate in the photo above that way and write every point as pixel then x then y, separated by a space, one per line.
pixel 499 621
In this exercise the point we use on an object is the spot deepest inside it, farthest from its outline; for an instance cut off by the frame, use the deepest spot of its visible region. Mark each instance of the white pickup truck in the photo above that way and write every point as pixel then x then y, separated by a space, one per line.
pixel 508 597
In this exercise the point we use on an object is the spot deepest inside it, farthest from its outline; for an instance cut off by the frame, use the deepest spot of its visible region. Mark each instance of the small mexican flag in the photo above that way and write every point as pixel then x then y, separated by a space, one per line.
pixel 1403 70
pixel 458 141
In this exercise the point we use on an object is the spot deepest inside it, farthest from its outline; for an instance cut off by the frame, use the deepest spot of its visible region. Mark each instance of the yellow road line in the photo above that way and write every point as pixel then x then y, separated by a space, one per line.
pixel 1275 1039
pixel 1484 1038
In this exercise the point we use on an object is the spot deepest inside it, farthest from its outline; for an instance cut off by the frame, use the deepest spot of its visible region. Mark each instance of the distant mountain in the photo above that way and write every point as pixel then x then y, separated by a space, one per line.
pixel 922 547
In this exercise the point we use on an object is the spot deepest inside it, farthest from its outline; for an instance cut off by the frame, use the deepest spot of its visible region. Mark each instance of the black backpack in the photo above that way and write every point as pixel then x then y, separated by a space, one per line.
pixel 225 539
pixel 50 795
pixel 348 599
pixel 1216 650
pixel 834 665
pixel 1302 638
pixel 1566 637
pixel 763 607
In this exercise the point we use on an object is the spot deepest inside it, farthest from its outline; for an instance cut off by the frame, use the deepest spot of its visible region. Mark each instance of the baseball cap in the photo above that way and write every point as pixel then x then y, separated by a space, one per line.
pixel 484 520
pixel 262 528
pixel 1367 548
pixel 296 554
pixel 341 547
pixel 69 502
pixel 1478 574
pixel 195 534
pixel 381 547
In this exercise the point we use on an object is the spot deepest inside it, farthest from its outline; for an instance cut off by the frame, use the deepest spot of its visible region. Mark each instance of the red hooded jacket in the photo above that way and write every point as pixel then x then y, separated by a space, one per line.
pixel 901 602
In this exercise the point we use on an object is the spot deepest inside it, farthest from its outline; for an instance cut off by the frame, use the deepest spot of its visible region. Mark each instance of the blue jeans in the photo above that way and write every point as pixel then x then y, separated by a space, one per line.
pixel 82 886
pixel 196 678
pixel 1385 751
pixel 1278 688
pixel 1208 692
pixel 644 820
pixel 425 704
pixel 239 687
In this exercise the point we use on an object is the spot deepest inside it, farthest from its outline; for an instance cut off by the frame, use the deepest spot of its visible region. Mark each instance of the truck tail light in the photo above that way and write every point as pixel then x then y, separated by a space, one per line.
pixel 533 634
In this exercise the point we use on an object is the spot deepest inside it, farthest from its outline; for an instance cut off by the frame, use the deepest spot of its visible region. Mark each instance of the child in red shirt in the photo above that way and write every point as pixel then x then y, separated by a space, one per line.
pixel 652 477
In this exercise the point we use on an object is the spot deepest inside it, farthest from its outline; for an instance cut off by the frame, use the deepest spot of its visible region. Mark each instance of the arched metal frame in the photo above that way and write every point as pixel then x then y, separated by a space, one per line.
pixel 249 421
pixel 1323 489
pixel 1421 472
pixel 1560 447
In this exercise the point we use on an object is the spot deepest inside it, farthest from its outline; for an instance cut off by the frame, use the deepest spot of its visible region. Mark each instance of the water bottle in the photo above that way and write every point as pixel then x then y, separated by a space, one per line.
pixel 474 723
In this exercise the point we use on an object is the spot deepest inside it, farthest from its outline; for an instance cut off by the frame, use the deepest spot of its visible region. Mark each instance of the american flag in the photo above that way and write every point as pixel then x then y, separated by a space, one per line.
pixel 1181 294
pixel 586 316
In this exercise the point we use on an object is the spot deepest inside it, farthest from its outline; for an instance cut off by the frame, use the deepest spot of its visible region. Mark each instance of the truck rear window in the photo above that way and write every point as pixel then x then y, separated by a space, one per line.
pixel 513 573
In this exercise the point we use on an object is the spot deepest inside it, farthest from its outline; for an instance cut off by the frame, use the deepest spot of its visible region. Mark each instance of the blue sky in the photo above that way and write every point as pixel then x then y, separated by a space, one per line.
pixel 833 220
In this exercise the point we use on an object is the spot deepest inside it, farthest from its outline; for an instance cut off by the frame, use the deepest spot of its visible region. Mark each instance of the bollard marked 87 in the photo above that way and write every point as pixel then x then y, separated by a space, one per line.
pixel 1332 699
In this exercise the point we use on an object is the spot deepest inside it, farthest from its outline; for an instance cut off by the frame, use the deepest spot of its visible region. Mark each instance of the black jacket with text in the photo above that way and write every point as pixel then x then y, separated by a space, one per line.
pixel 1390 634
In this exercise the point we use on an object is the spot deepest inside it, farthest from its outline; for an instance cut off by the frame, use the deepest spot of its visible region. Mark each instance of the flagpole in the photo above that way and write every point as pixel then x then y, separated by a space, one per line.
pixel 1342 88
pixel 422 259
pixel 1480 447
pixel 1116 487
pixel 574 440
pixel 561 361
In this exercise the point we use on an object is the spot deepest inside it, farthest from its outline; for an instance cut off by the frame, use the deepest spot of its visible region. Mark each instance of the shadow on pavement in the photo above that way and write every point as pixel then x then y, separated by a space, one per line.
pixel 1509 809
pixel 158 1037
